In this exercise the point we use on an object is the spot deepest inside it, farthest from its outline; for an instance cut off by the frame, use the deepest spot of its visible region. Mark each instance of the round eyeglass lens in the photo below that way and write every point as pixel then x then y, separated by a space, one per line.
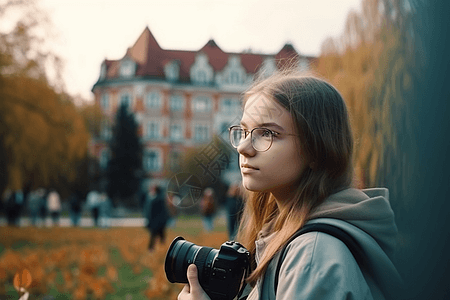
pixel 236 136
pixel 261 139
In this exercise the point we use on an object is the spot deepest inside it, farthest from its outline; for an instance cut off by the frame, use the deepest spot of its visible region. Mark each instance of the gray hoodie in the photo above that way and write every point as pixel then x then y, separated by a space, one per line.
pixel 319 266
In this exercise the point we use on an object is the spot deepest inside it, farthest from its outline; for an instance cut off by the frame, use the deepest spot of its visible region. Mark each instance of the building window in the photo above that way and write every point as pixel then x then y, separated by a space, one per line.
pixel 303 65
pixel 152 161
pixel 234 77
pixel 106 131
pixel 269 67
pixel 176 103
pixel 103 71
pixel 153 100
pixel 172 70
pixel 104 158
pixel 125 99
pixel 230 105
pixel 152 131
pixel 201 71
pixel 176 133
pixel 127 68
pixel 201 133
pixel 202 104
pixel 104 102
pixel 224 130
pixel 175 160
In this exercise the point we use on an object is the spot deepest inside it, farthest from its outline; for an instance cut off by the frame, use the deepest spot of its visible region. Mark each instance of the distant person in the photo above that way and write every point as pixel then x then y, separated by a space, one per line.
pixel 93 203
pixel 157 216
pixel 43 207
pixel 7 203
pixel 54 206
pixel 234 209
pixel 33 204
pixel 208 209
pixel 104 210
pixel 75 208
pixel 14 207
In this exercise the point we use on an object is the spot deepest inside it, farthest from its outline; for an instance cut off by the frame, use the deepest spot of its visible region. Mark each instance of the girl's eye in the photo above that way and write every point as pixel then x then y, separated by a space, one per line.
pixel 266 133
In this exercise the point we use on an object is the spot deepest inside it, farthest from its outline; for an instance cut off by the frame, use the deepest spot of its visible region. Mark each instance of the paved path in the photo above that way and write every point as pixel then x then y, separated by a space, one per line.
pixel 85 222
pixel 89 222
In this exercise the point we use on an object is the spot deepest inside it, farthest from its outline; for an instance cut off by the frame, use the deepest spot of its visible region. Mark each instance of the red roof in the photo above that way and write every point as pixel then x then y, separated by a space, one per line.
pixel 151 58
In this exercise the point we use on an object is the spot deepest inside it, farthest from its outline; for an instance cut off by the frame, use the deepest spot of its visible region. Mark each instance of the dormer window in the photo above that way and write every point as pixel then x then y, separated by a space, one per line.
pixel 103 71
pixel 233 73
pixel 127 68
pixel 172 70
pixel 201 71
pixel 303 64
pixel 268 67
pixel 104 102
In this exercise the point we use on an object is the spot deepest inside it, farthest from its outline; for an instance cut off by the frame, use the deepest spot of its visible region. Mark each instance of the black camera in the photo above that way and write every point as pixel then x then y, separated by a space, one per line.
pixel 220 272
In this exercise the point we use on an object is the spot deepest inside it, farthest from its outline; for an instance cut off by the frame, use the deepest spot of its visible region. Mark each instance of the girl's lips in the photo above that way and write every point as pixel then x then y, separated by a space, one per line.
pixel 245 168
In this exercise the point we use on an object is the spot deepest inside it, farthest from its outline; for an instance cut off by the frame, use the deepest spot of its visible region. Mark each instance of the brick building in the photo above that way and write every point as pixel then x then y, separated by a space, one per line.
pixel 180 98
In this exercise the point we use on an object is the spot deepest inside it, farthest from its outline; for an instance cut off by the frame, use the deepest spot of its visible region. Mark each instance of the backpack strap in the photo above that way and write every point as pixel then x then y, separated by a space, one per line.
pixel 334 231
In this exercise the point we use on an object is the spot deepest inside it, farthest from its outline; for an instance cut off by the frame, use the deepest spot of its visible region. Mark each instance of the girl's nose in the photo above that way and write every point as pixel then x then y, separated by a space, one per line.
pixel 245 147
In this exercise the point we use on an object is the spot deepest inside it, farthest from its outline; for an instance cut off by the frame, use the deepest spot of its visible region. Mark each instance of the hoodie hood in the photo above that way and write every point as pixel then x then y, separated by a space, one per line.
pixel 369 210
pixel 368 217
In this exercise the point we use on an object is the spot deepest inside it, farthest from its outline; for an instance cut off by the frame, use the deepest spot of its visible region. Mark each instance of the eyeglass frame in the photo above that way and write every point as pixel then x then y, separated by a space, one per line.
pixel 247 133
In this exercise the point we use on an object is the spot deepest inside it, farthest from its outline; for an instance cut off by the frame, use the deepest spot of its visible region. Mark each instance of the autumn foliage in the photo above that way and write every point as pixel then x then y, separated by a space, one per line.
pixel 43 136
pixel 374 64
pixel 85 263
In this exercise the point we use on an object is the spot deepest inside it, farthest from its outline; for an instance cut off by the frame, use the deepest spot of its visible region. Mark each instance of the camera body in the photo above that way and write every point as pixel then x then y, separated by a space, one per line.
pixel 220 272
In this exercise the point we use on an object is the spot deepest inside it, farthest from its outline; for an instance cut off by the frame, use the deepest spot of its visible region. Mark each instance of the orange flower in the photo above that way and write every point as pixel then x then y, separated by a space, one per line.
pixel 22 279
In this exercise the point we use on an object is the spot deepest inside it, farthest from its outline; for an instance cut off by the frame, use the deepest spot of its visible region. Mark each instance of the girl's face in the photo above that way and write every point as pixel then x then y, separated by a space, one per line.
pixel 278 169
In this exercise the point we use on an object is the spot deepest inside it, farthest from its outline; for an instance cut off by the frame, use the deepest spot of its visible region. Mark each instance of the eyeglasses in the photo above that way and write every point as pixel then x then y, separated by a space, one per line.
pixel 261 138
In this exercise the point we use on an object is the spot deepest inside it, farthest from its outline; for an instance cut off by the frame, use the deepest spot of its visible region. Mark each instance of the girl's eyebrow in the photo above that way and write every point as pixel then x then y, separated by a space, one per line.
pixel 265 125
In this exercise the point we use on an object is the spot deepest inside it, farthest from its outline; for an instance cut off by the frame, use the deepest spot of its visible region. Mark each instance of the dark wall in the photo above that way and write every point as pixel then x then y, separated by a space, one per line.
pixel 425 262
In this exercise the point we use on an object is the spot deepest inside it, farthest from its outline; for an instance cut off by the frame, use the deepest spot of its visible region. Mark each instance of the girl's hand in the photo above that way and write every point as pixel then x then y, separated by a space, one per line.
pixel 193 290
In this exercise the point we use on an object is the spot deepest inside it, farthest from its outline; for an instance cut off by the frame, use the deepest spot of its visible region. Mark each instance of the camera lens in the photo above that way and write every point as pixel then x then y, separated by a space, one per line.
pixel 181 254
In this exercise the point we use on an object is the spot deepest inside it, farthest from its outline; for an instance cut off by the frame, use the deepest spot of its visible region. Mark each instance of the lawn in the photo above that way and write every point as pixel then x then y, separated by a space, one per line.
pixel 95 263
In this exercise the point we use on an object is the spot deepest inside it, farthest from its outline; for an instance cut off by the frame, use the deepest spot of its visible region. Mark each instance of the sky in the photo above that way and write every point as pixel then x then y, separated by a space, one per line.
pixel 88 31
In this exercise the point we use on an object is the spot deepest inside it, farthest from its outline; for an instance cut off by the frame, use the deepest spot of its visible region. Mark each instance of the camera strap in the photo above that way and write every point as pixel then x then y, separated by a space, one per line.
pixel 245 288
pixel 334 231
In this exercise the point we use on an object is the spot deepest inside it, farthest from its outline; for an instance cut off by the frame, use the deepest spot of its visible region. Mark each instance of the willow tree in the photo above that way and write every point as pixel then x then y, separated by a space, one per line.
pixel 374 66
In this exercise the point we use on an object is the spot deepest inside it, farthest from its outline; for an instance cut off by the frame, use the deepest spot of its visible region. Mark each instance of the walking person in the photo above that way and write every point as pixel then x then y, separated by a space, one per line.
pixel 43 207
pixel 157 216
pixel 295 150
pixel 33 203
pixel 208 208
pixel 104 210
pixel 75 208
pixel 14 206
pixel 54 206
pixel 93 203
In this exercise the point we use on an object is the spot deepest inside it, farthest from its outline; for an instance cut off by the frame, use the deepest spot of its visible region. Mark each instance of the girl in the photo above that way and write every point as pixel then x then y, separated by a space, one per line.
pixel 295 151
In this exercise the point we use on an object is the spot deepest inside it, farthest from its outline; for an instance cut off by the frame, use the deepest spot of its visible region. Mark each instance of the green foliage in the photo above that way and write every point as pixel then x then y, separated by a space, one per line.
pixel 125 166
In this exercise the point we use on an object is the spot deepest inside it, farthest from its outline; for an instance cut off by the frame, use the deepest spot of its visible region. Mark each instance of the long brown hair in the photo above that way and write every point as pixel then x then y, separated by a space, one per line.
pixel 325 139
